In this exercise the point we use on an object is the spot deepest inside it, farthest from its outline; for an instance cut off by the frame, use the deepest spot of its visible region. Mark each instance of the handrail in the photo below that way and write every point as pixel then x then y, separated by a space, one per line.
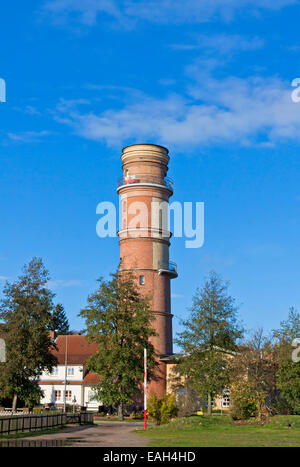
pixel 146 178
pixel 170 267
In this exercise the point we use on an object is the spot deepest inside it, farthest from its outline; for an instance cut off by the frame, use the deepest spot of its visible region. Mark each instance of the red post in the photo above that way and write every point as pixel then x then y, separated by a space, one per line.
pixel 145 389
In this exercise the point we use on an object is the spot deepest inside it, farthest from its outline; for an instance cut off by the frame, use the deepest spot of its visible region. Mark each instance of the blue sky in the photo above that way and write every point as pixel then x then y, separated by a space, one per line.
pixel 209 79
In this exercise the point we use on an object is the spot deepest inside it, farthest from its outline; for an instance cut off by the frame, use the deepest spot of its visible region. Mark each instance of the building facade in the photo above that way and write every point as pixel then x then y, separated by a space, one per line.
pixel 70 374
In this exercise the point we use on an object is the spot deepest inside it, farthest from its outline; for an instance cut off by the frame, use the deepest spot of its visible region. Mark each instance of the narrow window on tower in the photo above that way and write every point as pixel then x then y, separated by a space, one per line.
pixel 160 219
pixel 142 280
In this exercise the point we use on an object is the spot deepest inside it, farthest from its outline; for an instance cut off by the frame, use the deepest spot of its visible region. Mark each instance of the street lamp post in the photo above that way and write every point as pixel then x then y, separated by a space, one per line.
pixel 74 402
pixel 66 362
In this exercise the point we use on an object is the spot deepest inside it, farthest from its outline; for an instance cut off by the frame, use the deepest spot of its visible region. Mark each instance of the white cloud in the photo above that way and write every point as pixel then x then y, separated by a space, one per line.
pixel 160 11
pixel 175 295
pixel 232 110
pixel 28 136
pixel 222 44
pixel 62 284
pixel 88 10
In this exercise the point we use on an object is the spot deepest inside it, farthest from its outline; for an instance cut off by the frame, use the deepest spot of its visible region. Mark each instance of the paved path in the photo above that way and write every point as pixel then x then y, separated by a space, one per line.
pixel 105 434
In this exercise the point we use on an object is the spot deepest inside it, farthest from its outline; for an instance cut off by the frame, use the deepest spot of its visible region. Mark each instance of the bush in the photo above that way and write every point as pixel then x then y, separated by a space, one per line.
pixel 243 403
pixel 188 402
pixel 282 407
pixel 139 415
pixel 162 410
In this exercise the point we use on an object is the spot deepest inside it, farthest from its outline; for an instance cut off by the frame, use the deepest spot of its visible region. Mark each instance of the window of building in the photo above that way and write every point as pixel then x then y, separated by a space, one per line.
pixel 226 399
pixel 68 395
pixel 91 395
pixel 57 395
pixel 71 371
pixel 160 219
pixel 54 371
pixel 205 402
pixel 142 280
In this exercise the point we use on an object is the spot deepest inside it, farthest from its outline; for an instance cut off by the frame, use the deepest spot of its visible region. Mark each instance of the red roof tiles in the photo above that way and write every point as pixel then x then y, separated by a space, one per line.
pixel 91 378
pixel 78 349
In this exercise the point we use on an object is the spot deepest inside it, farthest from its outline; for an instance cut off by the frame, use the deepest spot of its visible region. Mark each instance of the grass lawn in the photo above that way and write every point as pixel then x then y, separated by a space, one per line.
pixel 115 419
pixel 220 431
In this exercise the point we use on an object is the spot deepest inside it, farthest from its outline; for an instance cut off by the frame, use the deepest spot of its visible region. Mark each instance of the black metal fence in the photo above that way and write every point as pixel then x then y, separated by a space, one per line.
pixel 25 423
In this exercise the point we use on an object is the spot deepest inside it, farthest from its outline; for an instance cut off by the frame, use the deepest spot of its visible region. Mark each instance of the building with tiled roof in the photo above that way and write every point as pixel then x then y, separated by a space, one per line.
pixel 70 374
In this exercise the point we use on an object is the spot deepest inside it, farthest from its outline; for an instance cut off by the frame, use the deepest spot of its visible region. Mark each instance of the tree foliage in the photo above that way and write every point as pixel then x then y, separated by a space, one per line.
pixel 25 312
pixel 119 320
pixel 288 372
pixel 253 372
pixel 210 334
pixel 243 401
pixel 59 321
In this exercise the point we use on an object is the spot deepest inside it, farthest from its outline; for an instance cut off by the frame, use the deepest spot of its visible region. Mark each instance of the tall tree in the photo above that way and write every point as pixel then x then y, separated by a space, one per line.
pixel 25 312
pixel 288 330
pixel 210 333
pixel 253 371
pixel 119 320
pixel 59 321
pixel 288 373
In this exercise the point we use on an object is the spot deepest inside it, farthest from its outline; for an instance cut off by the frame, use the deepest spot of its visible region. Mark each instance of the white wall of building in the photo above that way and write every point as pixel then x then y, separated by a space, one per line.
pixel 74 373
pixel 88 402
pixel 54 393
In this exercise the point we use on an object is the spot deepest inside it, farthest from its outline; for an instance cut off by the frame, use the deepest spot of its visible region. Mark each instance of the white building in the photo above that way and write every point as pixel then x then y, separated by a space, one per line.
pixel 75 350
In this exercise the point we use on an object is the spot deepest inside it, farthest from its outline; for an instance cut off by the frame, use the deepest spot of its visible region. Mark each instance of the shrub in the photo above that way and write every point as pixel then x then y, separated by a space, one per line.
pixel 154 407
pixel 188 402
pixel 162 410
pixel 169 408
pixel 243 403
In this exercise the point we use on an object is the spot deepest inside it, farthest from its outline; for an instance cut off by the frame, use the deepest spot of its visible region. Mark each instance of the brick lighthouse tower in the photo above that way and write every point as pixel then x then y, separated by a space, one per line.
pixel 144 239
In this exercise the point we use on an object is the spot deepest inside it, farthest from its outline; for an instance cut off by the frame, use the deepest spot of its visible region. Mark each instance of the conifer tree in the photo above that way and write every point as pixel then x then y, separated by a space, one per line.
pixel 210 333
pixel 59 321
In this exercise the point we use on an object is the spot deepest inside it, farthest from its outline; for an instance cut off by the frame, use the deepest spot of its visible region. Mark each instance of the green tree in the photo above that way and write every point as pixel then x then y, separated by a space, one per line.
pixel 59 321
pixel 210 333
pixel 119 320
pixel 288 372
pixel 25 312
pixel 252 372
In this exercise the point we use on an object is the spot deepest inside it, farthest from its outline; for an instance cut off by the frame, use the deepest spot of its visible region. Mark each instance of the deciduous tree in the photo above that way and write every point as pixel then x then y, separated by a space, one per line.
pixel 119 320
pixel 25 312
pixel 252 370
pixel 288 372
